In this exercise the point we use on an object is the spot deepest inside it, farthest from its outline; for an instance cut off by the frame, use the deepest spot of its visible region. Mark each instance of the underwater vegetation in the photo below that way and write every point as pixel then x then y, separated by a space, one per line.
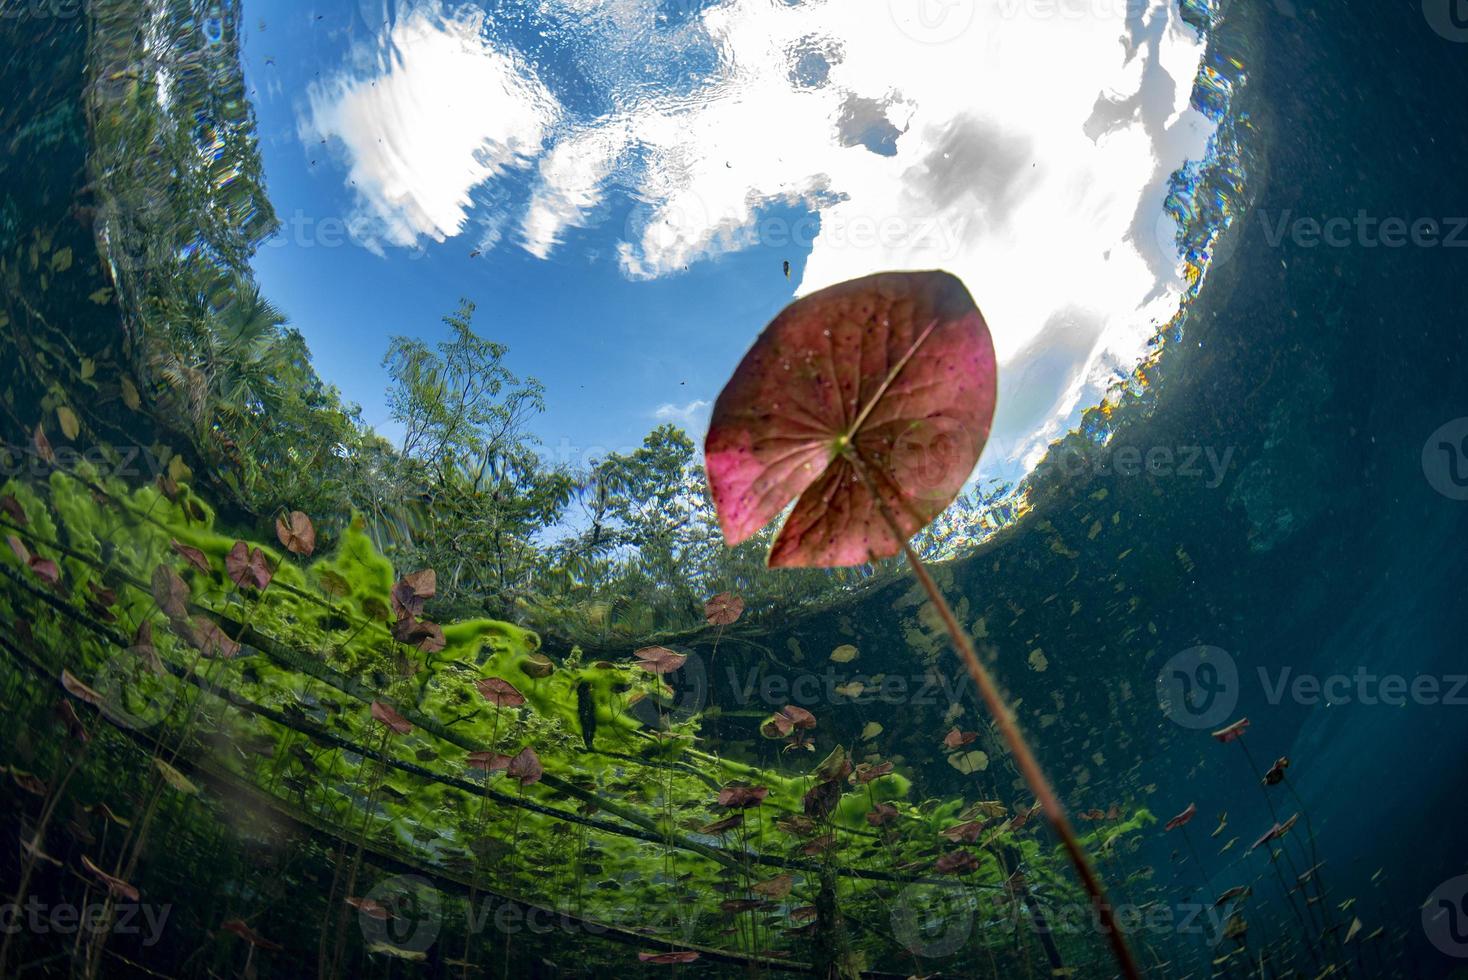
pixel 265 714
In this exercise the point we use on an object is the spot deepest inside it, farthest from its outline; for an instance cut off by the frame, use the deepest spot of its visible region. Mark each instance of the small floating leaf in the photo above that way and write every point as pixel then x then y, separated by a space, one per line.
pixel 500 693
pixel 723 609
pixel 296 533
pixel 389 716
pixel 174 778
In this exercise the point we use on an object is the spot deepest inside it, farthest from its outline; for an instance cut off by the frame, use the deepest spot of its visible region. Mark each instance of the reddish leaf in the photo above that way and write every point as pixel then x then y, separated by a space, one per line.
pixel 12 507
pixel 370 908
pixel 956 739
pixel 525 767
pixel 669 959
pixel 22 553
pixel 821 799
pixel 118 887
pixel 1181 818
pixel 45 569
pixel 884 814
pixel 867 771
pixel 192 555
pixel 43 445
pixel 389 716
pixel 143 647
pixel 77 689
pixel 500 693
pixel 246 566
pixel 723 609
pixel 884 383
pixel 206 636
pixel 296 533
pixel 956 862
pixel 736 905
pixel 238 927
pixel 1273 833
pixel 742 797
pixel 490 762
pixel 427 637
pixel 1236 730
pixel 170 592
pixel 721 826
pixel 659 660
pixel 787 720
pixel 411 594
pixel 1023 817
pixel 963 833
pixel 820 845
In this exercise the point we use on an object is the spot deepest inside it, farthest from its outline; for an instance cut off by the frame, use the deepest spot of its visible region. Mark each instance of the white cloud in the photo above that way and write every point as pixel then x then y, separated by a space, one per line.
pixel 1025 147
pixel 692 417
pixel 432 114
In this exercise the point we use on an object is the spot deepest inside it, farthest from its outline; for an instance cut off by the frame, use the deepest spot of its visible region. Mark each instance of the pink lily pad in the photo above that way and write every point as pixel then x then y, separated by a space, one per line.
pixel 875 393
pixel 296 533
pixel 390 717
pixel 500 693
pixel 723 609
pixel 525 767
pixel 659 660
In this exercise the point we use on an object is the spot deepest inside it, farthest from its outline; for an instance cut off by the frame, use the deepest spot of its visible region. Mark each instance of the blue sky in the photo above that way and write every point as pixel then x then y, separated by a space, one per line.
pixel 611 352
pixel 617 185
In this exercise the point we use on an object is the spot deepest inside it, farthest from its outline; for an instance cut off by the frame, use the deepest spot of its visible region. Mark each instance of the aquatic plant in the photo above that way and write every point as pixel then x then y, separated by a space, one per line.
pixel 868 404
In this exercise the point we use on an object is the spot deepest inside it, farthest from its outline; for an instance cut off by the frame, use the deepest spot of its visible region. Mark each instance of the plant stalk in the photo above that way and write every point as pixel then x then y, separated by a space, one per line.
pixel 1024 758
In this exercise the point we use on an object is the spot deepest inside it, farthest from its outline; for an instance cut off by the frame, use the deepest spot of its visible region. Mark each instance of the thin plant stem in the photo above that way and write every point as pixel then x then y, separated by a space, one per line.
pixel 1029 767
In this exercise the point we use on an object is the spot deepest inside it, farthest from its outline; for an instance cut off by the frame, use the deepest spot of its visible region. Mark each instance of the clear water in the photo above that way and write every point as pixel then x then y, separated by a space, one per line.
pixel 1266 521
